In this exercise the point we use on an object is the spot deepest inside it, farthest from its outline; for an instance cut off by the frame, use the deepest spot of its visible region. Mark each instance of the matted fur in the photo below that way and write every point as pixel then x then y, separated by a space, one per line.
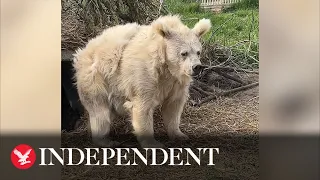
pixel 132 69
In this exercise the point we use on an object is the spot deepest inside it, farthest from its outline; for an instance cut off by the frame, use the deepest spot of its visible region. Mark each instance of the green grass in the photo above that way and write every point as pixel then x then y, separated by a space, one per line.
pixel 241 20
pixel 230 28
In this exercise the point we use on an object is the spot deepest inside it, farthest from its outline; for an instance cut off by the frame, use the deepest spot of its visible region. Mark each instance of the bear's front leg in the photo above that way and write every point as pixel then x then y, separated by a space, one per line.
pixel 171 113
pixel 142 121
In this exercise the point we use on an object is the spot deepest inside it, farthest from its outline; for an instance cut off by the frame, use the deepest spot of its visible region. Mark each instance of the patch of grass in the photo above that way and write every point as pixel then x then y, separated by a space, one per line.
pixel 236 24
pixel 183 7
pixel 241 23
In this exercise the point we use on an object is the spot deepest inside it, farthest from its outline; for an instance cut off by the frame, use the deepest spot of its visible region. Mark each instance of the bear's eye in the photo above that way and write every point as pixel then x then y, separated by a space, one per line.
pixel 184 54
pixel 198 53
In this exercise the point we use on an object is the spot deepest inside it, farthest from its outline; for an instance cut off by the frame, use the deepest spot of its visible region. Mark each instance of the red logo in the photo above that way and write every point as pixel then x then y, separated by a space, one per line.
pixel 23 156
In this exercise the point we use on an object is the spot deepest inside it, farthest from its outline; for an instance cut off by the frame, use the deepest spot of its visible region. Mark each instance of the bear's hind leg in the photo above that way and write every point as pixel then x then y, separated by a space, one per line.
pixel 101 116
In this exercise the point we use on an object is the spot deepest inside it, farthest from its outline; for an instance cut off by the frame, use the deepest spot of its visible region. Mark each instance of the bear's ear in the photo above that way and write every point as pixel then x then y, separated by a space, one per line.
pixel 162 29
pixel 202 27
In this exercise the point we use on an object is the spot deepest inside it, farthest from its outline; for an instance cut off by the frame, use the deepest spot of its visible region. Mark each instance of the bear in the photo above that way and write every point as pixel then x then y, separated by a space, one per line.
pixel 132 69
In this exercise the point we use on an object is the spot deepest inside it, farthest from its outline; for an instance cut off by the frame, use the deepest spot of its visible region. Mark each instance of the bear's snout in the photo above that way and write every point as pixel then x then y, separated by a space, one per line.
pixel 196 69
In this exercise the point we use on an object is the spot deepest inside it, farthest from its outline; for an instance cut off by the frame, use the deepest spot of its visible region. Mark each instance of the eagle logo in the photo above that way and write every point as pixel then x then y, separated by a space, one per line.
pixel 23 156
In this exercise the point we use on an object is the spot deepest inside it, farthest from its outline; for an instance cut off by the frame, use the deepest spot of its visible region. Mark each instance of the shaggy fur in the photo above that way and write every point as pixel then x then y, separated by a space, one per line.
pixel 132 69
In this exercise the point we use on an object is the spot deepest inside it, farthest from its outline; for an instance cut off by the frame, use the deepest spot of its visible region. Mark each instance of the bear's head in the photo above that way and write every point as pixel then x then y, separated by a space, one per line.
pixel 181 44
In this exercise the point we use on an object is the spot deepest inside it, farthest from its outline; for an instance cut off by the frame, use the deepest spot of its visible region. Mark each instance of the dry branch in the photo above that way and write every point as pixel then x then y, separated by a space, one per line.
pixel 204 86
pixel 226 69
pixel 230 77
pixel 226 93
pixel 201 91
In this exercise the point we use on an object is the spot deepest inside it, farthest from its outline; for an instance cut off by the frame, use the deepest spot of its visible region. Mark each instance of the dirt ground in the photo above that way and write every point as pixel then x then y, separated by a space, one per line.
pixel 229 123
